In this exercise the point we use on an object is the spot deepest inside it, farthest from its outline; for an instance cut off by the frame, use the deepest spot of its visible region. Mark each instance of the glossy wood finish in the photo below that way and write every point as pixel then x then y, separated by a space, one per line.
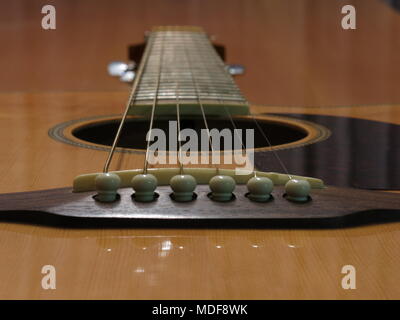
pixel 199 263
pixel 290 61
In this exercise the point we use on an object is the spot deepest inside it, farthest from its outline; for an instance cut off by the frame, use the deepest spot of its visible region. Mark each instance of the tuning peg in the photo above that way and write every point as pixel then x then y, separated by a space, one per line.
pixel 235 69
pixel 119 68
pixel 128 76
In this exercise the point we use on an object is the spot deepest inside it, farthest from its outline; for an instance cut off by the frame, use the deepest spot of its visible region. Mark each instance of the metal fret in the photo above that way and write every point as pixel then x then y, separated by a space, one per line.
pixel 214 83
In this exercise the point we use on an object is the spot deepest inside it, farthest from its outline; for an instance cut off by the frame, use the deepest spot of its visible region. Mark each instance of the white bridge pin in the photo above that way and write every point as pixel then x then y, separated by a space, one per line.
pixel 260 189
pixel 144 186
pixel 107 185
pixel 183 186
pixel 297 190
pixel 222 188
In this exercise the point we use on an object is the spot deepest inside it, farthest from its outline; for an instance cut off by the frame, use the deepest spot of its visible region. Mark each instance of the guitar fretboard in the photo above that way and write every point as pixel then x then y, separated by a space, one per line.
pixel 183 65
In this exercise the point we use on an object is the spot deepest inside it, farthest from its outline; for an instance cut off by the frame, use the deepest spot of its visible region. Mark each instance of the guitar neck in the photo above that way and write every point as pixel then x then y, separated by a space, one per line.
pixel 181 65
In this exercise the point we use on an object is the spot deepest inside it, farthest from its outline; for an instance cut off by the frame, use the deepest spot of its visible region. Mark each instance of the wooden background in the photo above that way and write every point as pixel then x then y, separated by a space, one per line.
pixel 296 56
pixel 296 52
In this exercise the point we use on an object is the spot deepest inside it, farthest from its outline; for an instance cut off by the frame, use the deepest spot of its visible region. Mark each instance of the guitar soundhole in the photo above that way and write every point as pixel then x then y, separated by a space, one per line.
pixel 133 135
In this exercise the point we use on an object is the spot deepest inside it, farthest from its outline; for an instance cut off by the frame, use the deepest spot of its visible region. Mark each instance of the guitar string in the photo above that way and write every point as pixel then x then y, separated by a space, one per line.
pixel 131 99
pixel 178 119
pixel 153 108
pixel 190 64
pixel 235 129
pixel 227 111
pixel 223 68
pixel 278 158
pixel 178 111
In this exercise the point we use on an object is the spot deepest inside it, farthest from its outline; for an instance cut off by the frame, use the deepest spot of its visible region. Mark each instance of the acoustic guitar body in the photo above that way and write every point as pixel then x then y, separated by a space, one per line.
pixel 233 250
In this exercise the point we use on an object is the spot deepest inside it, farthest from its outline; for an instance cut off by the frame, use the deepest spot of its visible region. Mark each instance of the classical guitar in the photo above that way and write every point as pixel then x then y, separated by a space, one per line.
pixel 124 179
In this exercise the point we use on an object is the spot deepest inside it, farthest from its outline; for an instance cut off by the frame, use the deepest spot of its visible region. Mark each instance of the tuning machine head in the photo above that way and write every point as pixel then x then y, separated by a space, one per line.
pixel 235 69
pixel 125 71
